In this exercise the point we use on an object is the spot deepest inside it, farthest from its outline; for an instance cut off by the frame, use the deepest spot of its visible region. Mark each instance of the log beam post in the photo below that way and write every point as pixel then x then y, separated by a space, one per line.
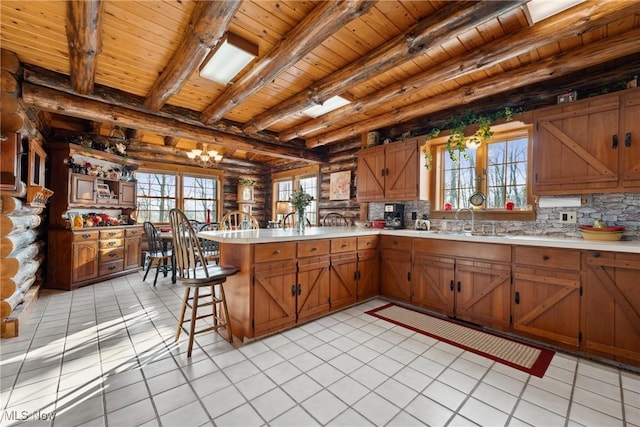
pixel 84 37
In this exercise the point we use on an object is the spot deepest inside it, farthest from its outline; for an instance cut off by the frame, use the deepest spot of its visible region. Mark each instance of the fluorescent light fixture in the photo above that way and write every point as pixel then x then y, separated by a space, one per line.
pixel 330 104
pixel 228 58
pixel 539 10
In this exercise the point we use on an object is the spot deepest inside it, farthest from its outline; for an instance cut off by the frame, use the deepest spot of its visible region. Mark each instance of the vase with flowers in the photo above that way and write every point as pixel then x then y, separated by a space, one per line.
pixel 300 200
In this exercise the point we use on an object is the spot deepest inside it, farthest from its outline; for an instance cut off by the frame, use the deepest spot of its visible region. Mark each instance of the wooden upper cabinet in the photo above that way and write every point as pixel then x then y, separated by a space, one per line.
pixel 629 143
pixel 83 190
pixel 587 146
pixel 391 172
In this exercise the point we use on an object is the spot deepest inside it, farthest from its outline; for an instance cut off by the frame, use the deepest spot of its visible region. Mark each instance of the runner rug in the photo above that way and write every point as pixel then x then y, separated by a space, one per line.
pixel 525 357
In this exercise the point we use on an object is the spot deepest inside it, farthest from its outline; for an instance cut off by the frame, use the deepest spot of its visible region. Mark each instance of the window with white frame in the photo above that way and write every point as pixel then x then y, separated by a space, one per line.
pixel 283 187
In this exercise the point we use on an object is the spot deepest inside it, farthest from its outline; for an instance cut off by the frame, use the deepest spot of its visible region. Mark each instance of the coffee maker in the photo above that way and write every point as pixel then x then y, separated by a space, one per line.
pixel 393 216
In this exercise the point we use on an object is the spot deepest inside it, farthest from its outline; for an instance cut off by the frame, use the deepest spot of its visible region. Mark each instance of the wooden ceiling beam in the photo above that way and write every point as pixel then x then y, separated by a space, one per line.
pixel 323 21
pixel 578 20
pixel 556 66
pixel 209 21
pixel 445 24
pixel 75 106
pixel 84 37
pixel 575 21
pixel 171 141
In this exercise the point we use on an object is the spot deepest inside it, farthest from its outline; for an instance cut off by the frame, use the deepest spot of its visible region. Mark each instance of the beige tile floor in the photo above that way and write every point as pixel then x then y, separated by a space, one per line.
pixel 104 356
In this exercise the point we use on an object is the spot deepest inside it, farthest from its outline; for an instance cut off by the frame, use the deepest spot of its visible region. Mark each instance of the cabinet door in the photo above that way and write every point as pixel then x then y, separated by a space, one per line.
pixel 574 149
pixel 401 169
pixel 343 279
pixel 313 287
pixel 85 261
pixel 127 194
pixel 546 304
pixel 629 143
pixel 273 296
pixel 131 253
pixel 371 164
pixel 368 283
pixel 82 189
pixel 395 274
pixel 483 292
pixel 433 284
pixel 611 306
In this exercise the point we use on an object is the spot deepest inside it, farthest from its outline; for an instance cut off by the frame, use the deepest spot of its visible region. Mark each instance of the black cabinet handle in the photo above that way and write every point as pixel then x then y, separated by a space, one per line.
pixel 451 285
pixel 596 254
pixel 276 252
pixel 314 249
pixel 408 276
pixel 299 288
pixel 458 286
pixel 86 235
pixel 112 254
pixel 344 245
pixel 517 297
pixel 293 290
pixel 614 141
pixel 112 243
pixel 627 140
pixel 545 257
pixel 382 172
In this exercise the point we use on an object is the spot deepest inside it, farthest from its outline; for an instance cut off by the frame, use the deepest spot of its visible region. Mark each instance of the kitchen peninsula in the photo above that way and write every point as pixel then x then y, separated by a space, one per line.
pixel 501 282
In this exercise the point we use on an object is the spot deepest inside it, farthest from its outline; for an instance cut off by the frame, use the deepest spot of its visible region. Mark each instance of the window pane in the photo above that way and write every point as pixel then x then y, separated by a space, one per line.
pixel 156 196
pixel 200 198
pixel 507 173
pixel 310 186
pixel 459 178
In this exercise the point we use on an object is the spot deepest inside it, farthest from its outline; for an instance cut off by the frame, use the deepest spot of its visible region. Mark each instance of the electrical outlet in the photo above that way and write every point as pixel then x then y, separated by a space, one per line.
pixel 568 217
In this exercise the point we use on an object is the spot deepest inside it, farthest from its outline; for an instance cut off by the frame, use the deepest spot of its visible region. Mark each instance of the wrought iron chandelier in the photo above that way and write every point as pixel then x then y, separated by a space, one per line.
pixel 204 157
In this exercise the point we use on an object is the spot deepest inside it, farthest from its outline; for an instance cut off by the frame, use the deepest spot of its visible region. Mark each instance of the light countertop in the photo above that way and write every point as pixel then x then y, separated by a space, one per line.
pixel 265 235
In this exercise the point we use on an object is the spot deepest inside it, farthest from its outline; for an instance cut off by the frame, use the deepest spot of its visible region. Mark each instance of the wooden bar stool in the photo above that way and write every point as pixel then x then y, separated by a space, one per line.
pixel 195 274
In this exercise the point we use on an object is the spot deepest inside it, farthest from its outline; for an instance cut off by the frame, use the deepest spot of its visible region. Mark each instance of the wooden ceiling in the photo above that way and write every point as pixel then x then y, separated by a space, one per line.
pixel 135 63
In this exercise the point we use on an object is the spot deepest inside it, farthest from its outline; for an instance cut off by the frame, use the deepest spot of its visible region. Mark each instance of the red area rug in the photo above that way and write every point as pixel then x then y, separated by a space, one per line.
pixel 525 357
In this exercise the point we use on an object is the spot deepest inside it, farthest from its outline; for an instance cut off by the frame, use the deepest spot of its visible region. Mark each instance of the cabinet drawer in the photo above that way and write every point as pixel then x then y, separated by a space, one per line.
pixel 346 244
pixel 566 259
pixel 111 243
pixel 313 248
pixel 111 234
pixel 114 254
pixel 85 235
pixel 393 242
pixel 367 242
pixel 133 232
pixel 274 251
pixel 111 267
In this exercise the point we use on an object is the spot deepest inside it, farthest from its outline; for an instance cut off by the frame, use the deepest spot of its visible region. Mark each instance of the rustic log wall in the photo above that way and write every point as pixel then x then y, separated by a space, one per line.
pixel 21 245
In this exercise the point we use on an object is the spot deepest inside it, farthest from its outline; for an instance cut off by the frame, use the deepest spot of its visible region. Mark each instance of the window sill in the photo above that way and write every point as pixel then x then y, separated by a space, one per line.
pixel 489 215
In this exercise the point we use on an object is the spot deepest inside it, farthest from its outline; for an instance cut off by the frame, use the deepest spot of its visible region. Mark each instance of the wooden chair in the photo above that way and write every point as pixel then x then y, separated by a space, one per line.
pixel 210 249
pixel 235 220
pixel 195 273
pixel 290 219
pixel 157 254
pixel 335 219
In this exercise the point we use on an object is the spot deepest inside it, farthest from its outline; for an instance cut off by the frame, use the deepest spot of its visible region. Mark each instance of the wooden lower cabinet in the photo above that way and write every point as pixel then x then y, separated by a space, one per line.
pixel 80 257
pixel 611 306
pixel 274 287
pixel 343 275
pixel 447 280
pixel 312 293
pixel 546 294
pixel 368 272
pixel 395 267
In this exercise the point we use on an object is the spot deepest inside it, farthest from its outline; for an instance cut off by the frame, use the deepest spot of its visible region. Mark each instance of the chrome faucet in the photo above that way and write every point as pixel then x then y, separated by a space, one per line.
pixel 473 217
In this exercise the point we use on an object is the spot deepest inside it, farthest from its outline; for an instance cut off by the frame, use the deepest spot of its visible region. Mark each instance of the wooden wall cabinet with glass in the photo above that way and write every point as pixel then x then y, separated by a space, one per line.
pixel 546 294
pixel 611 306
pixel 391 172
pixel 588 146
pixel 469 281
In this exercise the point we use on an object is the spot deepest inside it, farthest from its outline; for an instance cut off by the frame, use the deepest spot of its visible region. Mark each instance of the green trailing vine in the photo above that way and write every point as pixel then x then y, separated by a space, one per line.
pixel 457 141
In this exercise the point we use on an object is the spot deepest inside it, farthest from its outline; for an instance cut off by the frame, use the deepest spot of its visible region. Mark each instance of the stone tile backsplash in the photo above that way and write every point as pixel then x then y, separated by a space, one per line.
pixel 613 209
